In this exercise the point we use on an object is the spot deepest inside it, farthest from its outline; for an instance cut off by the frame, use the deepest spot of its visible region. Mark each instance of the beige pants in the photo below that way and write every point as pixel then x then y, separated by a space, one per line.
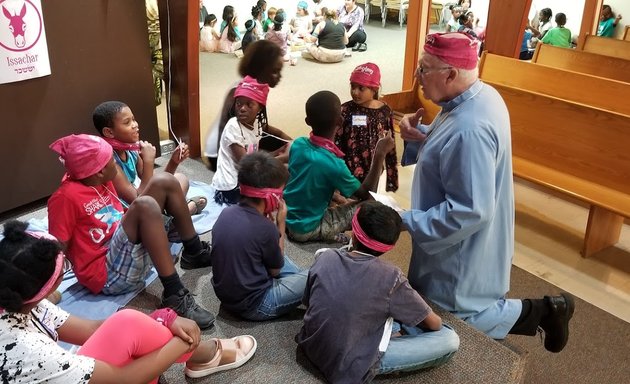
pixel 323 54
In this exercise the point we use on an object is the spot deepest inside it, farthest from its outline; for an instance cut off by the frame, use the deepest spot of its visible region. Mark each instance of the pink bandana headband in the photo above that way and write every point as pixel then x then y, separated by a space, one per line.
pixel 271 196
pixel 122 146
pixel 53 278
pixel 328 145
pixel 365 239
pixel 455 48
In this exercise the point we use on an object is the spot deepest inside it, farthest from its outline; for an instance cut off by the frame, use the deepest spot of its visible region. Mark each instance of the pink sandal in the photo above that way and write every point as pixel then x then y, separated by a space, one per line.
pixel 231 353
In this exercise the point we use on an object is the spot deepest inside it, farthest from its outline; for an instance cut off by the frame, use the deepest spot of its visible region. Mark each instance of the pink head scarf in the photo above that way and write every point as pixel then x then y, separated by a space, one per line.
pixel 252 89
pixel 82 155
pixel 456 49
pixel 368 75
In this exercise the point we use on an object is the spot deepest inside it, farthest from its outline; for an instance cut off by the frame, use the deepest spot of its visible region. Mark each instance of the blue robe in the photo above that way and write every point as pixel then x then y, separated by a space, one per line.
pixel 462 212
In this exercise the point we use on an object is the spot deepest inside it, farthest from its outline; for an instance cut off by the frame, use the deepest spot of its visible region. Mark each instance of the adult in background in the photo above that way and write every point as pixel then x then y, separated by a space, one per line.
pixel 331 38
pixel 351 16
pixel 262 61
pixel 462 209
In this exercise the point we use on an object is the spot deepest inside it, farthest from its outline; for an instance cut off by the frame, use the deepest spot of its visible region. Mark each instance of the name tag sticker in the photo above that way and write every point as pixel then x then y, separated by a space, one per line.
pixel 359 120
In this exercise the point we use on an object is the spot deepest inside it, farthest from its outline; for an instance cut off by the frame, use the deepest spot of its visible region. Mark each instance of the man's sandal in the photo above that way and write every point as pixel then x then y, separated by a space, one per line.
pixel 200 204
pixel 231 353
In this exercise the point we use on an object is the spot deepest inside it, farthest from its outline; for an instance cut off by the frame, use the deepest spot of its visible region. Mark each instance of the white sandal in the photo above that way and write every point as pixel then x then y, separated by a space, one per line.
pixel 231 353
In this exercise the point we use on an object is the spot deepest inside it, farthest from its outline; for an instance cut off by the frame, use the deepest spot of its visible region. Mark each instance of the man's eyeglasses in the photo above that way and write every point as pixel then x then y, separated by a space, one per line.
pixel 423 71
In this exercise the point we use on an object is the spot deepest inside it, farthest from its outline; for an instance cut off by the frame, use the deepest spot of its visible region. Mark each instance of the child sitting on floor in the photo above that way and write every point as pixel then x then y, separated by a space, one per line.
pixel 279 36
pixel 129 346
pixel 230 40
pixel 113 250
pixel 268 23
pixel 559 35
pixel 365 120
pixel 317 169
pixel 250 273
pixel 363 318
pixel 250 35
pixel 239 137
pixel 209 37
pixel 134 158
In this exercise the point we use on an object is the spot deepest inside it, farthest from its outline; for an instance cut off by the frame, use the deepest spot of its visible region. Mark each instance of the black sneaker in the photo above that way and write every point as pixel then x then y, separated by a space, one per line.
pixel 356 47
pixel 556 325
pixel 199 260
pixel 184 304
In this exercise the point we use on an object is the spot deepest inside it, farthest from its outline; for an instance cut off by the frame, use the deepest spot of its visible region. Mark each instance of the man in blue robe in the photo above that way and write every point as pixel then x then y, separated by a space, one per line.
pixel 462 212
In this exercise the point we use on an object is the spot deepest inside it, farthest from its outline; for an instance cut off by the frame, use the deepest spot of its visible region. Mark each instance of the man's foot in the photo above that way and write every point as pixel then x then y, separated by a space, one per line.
pixel 199 260
pixel 356 47
pixel 556 324
pixel 362 47
pixel 196 204
pixel 184 304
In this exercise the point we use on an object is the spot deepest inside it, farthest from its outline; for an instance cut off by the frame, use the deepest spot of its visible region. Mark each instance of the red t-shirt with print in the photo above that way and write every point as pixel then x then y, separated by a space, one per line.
pixel 85 218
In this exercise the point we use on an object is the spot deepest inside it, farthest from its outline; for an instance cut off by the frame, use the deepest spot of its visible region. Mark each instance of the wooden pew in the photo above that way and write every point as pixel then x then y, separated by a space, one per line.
pixel 606 46
pixel 582 61
pixel 596 92
pixel 567 145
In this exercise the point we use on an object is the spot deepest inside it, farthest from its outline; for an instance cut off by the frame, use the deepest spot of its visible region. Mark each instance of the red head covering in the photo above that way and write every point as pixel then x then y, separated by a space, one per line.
pixel 252 89
pixel 368 75
pixel 82 155
pixel 456 49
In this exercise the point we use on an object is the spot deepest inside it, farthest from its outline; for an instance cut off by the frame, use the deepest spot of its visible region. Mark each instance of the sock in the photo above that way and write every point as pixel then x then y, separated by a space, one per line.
pixel 532 313
pixel 172 284
pixel 192 246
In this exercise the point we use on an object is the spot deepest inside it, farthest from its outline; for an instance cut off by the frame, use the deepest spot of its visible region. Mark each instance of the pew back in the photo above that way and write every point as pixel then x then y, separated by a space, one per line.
pixel 583 62
pixel 607 46
pixel 596 92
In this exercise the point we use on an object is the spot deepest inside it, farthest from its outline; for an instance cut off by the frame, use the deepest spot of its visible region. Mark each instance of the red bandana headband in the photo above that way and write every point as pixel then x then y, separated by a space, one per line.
pixel 328 145
pixel 365 239
pixel 271 196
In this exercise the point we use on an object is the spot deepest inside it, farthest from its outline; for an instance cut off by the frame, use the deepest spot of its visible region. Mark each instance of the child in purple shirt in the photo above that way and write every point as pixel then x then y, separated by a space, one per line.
pixel 363 317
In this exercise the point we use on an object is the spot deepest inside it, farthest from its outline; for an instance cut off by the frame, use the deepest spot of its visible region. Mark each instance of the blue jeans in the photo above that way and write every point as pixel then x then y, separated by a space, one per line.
pixel 418 349
pixel 283 296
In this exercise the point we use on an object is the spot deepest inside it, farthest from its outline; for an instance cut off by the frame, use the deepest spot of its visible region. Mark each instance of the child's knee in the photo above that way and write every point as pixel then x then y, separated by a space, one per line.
pixel 146 205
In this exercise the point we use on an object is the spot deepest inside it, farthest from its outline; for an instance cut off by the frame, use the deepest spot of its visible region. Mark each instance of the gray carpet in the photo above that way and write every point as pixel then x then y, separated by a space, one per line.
pixel 598 350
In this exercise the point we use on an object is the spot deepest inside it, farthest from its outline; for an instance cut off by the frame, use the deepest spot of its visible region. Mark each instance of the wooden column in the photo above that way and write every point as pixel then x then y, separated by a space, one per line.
pixel 179 29
pixel 506 25
pixel 590 20
pixel 417 30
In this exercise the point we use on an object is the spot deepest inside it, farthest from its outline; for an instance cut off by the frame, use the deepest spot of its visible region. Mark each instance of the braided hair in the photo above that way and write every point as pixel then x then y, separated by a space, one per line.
pixel 26 264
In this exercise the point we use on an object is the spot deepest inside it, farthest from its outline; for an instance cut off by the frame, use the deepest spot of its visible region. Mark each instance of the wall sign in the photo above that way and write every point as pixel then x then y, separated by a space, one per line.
pixel 23 48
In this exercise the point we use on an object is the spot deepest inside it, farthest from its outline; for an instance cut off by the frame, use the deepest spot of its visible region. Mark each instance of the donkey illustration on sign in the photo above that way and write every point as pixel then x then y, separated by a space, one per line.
pixel 17 26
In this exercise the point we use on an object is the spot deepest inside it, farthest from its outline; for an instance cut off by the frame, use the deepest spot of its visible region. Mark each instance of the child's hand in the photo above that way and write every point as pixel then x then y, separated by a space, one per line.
pixel 282 212
pixel 147 151
pixel 386 143
pixel 186 330
pixel 181 153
